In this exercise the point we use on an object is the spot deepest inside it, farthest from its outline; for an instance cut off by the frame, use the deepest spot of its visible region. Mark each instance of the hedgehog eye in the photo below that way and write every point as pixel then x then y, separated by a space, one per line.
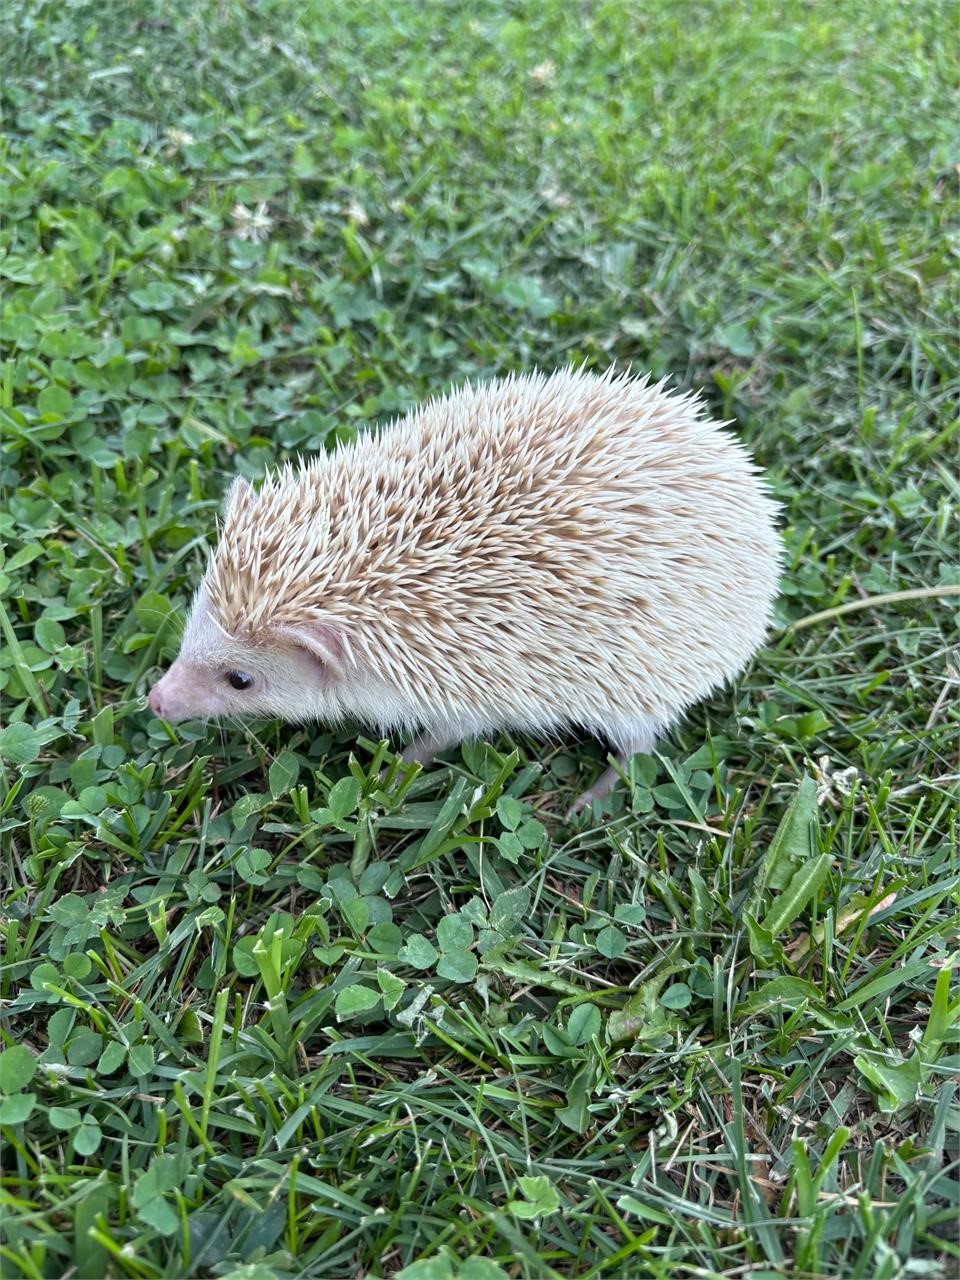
pixel 239 680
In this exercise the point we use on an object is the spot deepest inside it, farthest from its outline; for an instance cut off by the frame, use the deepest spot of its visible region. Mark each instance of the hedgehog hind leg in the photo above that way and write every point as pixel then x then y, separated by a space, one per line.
pixel 634 737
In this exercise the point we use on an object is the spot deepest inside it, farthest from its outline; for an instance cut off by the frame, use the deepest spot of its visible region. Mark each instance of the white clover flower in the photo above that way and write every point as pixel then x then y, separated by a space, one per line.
pixel 357 213
pixel 253 224
pixel 543 72
pixel 833 787
pixel 179 138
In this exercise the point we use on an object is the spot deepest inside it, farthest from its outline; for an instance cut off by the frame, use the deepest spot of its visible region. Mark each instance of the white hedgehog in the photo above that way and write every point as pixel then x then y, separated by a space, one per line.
pixel 533 554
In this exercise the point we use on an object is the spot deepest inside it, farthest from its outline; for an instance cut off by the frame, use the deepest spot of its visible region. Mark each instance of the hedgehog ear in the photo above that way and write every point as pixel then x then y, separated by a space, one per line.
pixel 323 641
pixel 239 494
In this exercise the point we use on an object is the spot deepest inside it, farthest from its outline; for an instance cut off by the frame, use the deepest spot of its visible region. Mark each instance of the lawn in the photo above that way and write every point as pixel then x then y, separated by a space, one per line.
pixel 266 1017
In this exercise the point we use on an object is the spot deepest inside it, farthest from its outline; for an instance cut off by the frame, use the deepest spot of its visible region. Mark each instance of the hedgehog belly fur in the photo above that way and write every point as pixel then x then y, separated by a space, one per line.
pixel 528 554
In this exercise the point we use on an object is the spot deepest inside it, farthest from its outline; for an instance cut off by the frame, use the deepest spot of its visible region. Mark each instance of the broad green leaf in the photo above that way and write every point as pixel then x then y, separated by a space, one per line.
pixel 527 294
pixel 64 1117
pixel 344 797
pixel 356 912
pixel 475 911
pixel 141 1059
pixel 89 1257
pixel 84 1049
pixel 528 1209
pixel 643 1015
pixel 480 1269
pixel 418 952
pixel 764 948
pixel 896 1083
pixel 804 885
pixel 510 812
pixel 509 908
pixel 160 1215
pixel 392 988
pixel 558 1042
pixel 20 744
pixel 76 965
pixel 60 1025
pixel 385 938
pixel 532 834
pixel 944 1014
pixel 574 1115
pixel 436 1268
pixel 510 846
pixel 189 1028
pixel 158 295
pixel 735 338
pixel 629 914
pixel 44 975
pixel 87 1138
pixel 541 1192
pixel 243 961
pixel 283 774
pixel 156 613
pixel 251 1271
pixel 458 966
pixel 55 401
pixel 16 1108
pixel 252 866
pixel 166 1173
pixel 355 999
pixel 676 996
pixel 611 942
pixel 17 1068
pixel 794 843
pixel 374 877
pixel 50 635
pixel 454 933
pixel 112 1058
pixel 784 992
pixel 584 1023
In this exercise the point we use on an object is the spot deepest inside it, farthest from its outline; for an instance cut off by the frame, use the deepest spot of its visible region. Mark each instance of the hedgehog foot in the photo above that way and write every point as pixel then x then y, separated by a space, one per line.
pixel 602 787
pixel 637 736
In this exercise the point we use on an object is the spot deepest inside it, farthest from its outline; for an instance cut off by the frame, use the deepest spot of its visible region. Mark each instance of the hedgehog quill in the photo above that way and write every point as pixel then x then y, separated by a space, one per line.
pixel 540 553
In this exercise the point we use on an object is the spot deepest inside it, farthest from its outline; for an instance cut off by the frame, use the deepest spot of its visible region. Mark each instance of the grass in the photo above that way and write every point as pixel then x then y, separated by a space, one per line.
pixel 265 1017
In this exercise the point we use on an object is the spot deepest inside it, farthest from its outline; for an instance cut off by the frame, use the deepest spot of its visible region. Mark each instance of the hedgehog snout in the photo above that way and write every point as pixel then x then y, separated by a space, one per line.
pixel 164 702
pixel 179 694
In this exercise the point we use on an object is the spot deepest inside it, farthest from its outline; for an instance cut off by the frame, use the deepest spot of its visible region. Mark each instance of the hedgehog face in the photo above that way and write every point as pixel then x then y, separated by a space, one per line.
pixel 216 675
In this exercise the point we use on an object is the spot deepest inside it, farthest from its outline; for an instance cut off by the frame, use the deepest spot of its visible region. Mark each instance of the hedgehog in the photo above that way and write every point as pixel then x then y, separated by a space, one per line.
pixel 538 554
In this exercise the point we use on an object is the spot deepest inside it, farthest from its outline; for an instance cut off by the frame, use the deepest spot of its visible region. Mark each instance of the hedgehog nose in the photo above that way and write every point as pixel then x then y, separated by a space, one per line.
pixel 155 700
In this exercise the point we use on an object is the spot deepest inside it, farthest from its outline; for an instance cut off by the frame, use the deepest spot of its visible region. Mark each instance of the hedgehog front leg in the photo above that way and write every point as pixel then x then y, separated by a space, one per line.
pixel 638 738
pixel 602 787
pixel 429 744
